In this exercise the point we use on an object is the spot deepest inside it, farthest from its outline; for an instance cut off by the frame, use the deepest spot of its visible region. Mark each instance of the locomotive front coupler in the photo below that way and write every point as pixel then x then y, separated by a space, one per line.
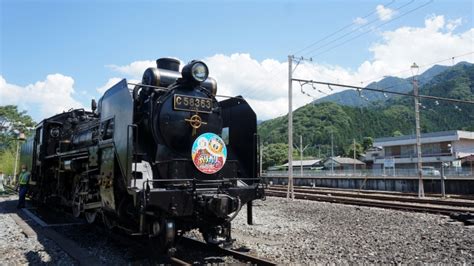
pixel 218 205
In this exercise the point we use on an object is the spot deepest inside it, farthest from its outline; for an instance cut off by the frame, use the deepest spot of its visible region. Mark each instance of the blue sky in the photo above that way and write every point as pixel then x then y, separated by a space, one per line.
pixel 84 40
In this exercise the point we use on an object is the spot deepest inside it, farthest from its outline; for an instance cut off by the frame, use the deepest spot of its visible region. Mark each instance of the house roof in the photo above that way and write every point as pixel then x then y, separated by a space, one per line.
pixel 305 162
pixel 345 160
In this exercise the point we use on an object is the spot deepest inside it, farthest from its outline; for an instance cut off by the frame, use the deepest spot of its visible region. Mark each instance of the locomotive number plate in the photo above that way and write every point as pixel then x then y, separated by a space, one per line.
pixel 192 103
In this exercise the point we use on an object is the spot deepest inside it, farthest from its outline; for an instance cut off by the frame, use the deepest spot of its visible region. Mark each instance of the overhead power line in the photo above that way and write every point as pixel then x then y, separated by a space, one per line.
pixel 339 30
pixel 436 98
pixel 363 33
pixel 355 30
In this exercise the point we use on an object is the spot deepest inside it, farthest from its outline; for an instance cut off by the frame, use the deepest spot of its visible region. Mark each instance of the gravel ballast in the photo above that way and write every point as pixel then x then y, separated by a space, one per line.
pixel 302 231
pixel 18 249
pixel 299 231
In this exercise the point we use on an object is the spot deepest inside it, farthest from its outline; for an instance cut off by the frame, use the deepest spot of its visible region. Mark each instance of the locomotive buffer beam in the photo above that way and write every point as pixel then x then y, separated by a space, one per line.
pixel 181 202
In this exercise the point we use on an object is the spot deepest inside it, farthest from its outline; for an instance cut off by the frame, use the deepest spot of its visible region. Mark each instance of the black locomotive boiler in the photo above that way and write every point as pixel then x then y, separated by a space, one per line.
pixel 158 160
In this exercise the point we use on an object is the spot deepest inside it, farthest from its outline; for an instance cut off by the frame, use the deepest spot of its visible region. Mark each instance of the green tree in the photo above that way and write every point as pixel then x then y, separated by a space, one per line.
pixel 397 133
pixel 12 122
pixel 367 143
pixel 349 151
pixel 7 161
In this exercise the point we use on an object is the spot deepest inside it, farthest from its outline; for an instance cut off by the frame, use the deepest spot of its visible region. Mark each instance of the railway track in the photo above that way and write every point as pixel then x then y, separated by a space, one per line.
pixel 381 200
pixel 206 252
pixel 242 257
pixel 365 191
pixel 34 222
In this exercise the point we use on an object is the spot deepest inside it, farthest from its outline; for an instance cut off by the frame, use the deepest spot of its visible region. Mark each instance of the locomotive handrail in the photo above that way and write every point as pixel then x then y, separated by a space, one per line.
pixel 128 152
pixel 166 89
pixel 149 86
pixel 194 181
pixel 202 180
pixel 69 153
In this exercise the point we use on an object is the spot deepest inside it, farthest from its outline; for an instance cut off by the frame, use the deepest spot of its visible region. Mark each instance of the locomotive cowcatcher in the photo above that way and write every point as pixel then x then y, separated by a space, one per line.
pixel 158 160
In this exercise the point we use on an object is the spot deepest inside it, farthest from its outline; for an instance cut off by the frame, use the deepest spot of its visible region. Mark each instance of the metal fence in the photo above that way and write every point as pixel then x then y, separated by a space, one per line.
pixel 448 172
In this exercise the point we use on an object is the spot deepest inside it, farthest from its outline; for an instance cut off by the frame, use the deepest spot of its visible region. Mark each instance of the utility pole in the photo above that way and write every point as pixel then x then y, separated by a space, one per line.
pixel 301 152
pixel 290 129
pixel 421 191
pixel 261 158
pixel 16 161
pixel 332 153
pixel 21 136
pixel 354 141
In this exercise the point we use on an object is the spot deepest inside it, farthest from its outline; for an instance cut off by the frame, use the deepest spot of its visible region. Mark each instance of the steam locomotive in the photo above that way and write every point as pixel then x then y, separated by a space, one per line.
pixel 157 160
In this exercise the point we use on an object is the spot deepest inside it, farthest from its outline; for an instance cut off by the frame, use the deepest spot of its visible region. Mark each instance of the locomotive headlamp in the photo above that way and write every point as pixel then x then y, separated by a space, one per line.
pixel 196 71
pixel 199 71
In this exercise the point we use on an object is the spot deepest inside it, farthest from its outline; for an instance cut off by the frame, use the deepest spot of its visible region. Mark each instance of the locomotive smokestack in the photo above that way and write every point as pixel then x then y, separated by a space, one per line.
pixel 168 64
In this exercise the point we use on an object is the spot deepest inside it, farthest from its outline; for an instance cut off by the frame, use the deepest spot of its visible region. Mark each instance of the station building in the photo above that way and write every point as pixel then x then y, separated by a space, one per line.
pixel 343 163
pixel 437 147
pixel 307 165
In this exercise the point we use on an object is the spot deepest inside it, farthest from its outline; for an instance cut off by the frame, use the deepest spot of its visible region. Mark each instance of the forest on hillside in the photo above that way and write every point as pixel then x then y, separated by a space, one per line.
pixel 317 122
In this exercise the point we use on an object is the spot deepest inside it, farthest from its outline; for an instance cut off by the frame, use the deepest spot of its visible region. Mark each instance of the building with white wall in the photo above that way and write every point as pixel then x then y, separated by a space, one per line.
pixel 436 147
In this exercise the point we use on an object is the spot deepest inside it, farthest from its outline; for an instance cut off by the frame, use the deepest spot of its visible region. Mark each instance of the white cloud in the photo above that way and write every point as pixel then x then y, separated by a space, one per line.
pixel 359 21
pixel 403 46
pixel 453 24
pixel 111 82
pixel 384 13
pixel 264 83
pixel 135 69
pixel 53 95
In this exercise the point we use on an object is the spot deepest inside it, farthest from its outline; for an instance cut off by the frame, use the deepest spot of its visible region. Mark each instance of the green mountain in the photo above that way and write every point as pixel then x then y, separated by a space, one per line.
pixel 317 121
pixel 366 98
pixel 353 98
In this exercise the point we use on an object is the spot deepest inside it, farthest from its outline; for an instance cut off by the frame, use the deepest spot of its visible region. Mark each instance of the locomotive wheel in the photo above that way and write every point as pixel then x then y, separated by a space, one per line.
pixel 165 241
pixel 76 209
pixel 90 216
pixel 76 202
pixel 78 198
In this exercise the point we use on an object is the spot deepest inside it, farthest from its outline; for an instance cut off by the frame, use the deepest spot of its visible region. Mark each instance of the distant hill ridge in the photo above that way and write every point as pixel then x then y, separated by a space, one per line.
pixel 352 97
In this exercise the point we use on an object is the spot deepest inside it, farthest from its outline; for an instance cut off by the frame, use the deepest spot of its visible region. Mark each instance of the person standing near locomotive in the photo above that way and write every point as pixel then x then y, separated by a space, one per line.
pixel 23 180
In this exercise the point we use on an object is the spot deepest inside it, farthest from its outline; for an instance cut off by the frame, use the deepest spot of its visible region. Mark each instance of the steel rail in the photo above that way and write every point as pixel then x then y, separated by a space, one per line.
pixel 243 257
pixel 383 192
pixel 373 203
pixel 458 203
